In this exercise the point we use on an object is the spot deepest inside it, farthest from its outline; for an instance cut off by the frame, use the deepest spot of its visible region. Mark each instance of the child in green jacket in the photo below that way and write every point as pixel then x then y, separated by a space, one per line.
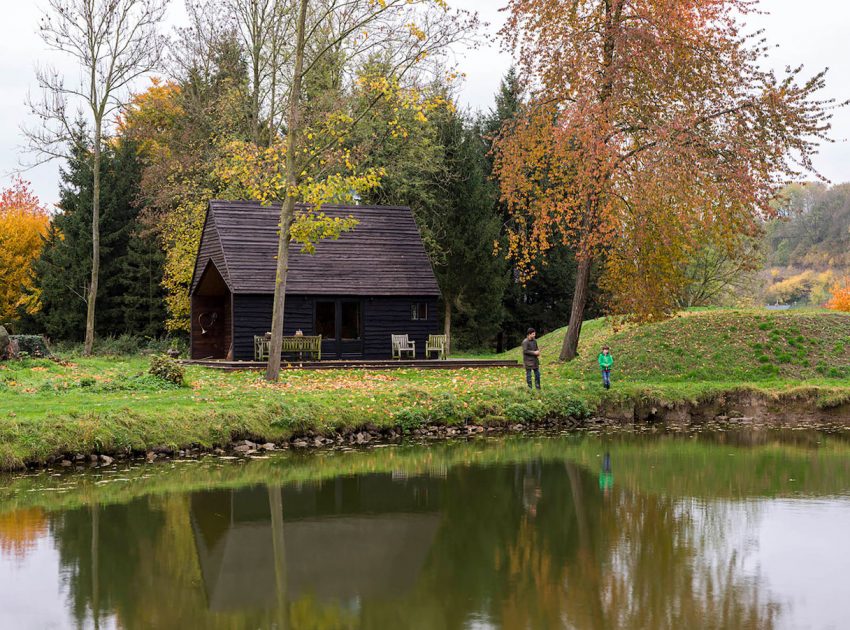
pixel 606 362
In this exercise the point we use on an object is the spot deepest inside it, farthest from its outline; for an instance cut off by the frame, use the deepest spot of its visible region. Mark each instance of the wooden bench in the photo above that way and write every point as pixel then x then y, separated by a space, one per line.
pixel 302 344
pixel 436 344
pixel 402 345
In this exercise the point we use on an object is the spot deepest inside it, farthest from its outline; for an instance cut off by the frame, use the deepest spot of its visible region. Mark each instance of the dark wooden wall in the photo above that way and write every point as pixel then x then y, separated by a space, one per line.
pixel 382 317
pixel 385 316
pixel 252 315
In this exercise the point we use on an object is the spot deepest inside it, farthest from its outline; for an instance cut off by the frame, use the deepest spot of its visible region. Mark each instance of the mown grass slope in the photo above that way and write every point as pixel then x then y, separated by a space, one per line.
pixel 715 345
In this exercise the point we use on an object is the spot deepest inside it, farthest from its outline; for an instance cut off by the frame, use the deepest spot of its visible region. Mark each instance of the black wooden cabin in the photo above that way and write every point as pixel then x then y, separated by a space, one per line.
pixel 356 291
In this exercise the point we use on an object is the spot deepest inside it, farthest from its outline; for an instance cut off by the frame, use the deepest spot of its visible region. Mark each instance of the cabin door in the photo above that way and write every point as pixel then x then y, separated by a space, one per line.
pixel 340 323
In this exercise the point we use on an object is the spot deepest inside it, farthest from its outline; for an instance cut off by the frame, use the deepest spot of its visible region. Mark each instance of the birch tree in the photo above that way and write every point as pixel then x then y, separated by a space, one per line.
pixel 114 43
pixel 310 161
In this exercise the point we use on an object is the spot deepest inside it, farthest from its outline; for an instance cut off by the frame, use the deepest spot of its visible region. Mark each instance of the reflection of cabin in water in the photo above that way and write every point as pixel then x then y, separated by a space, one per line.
pixel 344 540
pixel 356 291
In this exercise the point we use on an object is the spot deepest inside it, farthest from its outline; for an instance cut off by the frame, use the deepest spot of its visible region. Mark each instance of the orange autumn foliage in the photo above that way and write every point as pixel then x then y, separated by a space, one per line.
pixel 23 223
pixel 651 130
pixel 840 300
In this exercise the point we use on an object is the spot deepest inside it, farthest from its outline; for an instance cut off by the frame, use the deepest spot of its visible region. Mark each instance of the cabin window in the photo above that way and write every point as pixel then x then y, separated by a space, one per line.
pixel 419 310
pixel 326 319
pixel 351 327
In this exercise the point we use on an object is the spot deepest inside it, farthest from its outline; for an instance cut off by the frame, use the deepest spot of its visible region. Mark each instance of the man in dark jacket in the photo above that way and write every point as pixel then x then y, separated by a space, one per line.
pixel 531 358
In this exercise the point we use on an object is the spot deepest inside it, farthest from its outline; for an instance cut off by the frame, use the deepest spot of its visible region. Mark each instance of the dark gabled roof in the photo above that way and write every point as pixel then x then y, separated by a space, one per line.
pixel 383 255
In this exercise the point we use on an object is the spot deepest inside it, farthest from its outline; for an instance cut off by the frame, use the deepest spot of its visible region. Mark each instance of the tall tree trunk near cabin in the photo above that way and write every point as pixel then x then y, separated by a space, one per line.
pixel 569 349
pixel 287 208
pixel 447 325
pixel 95 244
pixel 287 212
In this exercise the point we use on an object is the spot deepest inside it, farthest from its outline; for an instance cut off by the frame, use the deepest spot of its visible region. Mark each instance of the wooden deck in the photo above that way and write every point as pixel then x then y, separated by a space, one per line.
pixel 357 364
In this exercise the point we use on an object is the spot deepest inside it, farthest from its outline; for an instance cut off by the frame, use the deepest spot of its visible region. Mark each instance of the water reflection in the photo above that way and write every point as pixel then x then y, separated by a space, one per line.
pixel 347 540
pixel 537 543
pixel 534 545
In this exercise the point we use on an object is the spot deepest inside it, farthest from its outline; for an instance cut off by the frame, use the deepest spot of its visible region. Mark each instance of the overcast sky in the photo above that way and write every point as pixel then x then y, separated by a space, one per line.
pixel 812 33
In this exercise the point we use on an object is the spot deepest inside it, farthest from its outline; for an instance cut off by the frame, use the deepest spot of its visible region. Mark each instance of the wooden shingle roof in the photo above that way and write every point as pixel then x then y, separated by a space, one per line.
pixel 383 255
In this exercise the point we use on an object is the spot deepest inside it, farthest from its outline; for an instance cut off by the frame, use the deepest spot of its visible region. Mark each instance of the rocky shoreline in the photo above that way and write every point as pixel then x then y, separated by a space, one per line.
pixel 312 441
pixel 732 408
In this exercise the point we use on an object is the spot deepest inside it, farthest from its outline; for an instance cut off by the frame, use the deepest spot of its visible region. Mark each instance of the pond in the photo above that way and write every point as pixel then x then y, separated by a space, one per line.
pixel 718 529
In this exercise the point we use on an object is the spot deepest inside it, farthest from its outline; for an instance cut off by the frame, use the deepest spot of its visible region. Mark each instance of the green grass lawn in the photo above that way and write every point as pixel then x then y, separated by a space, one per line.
pixel 107 404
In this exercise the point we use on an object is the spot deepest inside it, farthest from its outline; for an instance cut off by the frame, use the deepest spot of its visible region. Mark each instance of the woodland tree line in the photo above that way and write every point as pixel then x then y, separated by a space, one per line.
pixel 629 164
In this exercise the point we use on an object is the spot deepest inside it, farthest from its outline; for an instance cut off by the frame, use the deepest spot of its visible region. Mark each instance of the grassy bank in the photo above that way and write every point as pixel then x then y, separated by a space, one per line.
pixel 110 404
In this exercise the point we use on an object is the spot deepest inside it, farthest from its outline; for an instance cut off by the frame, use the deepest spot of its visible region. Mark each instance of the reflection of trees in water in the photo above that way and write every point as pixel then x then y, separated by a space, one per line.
pixel 676 564
pixel 534 545
pixel 99 547
pixel 140 568
pixel 580 559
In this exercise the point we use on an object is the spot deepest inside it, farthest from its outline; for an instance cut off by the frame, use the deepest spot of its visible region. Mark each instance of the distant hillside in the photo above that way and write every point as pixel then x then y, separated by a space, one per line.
pixel 715 345
pixel 807 248
pixel 813 228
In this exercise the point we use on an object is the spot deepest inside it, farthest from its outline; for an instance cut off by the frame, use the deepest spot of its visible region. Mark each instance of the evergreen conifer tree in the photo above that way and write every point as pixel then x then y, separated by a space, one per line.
pixel 127 303
pixel 472 278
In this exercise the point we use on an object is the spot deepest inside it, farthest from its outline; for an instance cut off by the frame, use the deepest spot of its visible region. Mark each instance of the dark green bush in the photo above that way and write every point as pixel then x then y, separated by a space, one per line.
pixel 167 369
pixel 124 345
pixel 525 412
pixel 32 345
pixel 410 418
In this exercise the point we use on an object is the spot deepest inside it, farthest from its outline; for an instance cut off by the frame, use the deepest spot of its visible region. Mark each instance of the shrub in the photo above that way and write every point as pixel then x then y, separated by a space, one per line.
pixel 410 418
pixel 32 345
pixel 118 346
pixel 525 412
pixel 167 369
pixel 124 345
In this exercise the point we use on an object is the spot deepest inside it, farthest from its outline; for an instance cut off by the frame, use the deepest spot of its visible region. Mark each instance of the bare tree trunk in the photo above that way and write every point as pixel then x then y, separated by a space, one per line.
pixel 115 43
pixel 287 209
pixel 447 325
pixel 95 244
pixel 569 349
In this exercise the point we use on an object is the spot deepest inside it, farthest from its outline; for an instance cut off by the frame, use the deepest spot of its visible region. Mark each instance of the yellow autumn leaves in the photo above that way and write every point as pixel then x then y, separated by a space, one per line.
pixel 23 224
